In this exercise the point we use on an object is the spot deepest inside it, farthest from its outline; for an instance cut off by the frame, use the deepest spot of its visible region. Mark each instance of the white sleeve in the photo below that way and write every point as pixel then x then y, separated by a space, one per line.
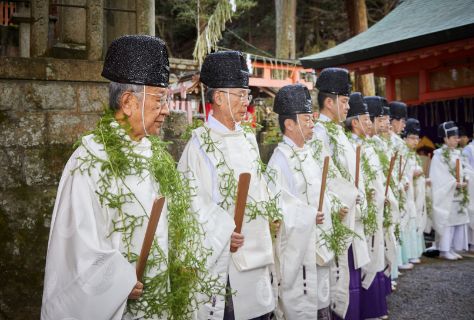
pixel 298 223
pixel 85 277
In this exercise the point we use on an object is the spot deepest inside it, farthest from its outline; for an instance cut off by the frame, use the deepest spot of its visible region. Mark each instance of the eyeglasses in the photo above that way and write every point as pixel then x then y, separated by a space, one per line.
pixel 243 97
pixel 164 99
pixel 306 120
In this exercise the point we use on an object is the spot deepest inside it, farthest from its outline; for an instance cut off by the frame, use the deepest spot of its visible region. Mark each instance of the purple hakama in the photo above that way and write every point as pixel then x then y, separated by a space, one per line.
pixel 373 300
pixel 388 285
pixel 355 289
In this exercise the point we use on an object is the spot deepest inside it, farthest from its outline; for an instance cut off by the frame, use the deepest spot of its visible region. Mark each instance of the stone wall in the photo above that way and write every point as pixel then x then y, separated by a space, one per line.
pixel 45 105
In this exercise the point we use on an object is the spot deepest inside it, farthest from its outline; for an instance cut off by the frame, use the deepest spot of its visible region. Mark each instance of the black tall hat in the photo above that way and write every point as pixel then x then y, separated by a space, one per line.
pixel 462 131
pixel 386 108
pixel 334 81
pixel 357 105
pixel 375 104
pixel 225 69
pixel 292 99
pixel 412 127
pixel 398 110
pixel 447 129
pixel 137 59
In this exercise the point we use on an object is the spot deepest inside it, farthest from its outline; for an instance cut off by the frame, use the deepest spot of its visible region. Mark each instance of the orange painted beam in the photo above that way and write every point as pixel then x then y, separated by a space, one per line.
pixel 273 83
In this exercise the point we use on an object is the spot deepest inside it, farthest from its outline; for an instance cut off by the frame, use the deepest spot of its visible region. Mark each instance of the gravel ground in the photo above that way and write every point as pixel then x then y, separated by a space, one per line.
pixel 436 289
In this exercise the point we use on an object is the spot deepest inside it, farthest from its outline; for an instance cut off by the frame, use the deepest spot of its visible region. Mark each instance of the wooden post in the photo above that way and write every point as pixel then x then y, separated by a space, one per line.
pixel 400 168
pixel 242 192
pixel 323 183
pixel 357 173
pixel 390 169
pixel 158 205
pixel 458 171
pixel 426 167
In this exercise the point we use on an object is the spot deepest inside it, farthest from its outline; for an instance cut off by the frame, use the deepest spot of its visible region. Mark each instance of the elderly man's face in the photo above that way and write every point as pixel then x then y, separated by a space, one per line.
pixel 155 110
pixel 237 99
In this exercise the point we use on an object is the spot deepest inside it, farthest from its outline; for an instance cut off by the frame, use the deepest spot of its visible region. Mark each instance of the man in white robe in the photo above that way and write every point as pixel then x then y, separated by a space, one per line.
pixel 385 151
pixel 99 218
pixel 374 282
pixel 450 195
pixel 468 156
pixel 416 197
pixel 213 159
pixel 397 118
pixel 334 88
pixel 303 255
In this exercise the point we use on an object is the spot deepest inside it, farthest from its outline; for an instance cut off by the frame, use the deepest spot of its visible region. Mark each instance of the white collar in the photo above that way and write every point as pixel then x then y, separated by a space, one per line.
pixel 215 124
pixel 356 138
pixel 324 118
pixel 290 142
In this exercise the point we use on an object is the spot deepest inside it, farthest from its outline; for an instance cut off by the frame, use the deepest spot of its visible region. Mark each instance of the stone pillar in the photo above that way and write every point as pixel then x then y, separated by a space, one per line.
pixel 94 29
pixel 22 17
pixel 146 17
pixel 39 27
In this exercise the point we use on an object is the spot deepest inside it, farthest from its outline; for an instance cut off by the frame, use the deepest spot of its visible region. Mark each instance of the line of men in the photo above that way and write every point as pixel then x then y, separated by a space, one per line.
pixel 299 255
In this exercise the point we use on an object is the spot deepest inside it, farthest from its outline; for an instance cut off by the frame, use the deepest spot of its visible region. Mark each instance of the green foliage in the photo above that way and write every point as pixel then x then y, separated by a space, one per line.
pixel 189 129
pixel 209 37
pixel 460 192
pixel 340 236
pixel 387 215
pixel 397 233
pixel 334 131
pixel 369 218
pixel 184 272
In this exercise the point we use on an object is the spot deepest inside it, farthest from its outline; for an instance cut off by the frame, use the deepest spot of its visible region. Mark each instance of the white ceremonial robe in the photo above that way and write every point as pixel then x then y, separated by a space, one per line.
pixel 248 268
pixel 446 203
pixel 392 245
pixel 346 191
pixel 375 242
pixel 468 156
pixel 347 158
pixel 409 223
pixel 87 276
pixel 303 257
pixel 419 189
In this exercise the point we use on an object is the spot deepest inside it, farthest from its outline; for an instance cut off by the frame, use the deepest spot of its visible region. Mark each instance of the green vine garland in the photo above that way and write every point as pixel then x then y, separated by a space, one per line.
pixel 462 192
pixel 170 292
pixel 333 131
pixel 268 209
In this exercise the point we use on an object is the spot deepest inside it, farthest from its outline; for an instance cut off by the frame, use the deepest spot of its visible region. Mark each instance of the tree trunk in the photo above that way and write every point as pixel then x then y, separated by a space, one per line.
pixel 357 17
pixel 285 28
